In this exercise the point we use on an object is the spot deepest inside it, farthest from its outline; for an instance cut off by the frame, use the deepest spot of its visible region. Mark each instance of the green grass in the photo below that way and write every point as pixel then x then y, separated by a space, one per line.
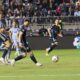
pixel 68 67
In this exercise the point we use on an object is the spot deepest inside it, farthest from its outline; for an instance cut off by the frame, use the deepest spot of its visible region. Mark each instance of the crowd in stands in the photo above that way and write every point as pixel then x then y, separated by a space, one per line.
pixel 39 8
pixel 23 9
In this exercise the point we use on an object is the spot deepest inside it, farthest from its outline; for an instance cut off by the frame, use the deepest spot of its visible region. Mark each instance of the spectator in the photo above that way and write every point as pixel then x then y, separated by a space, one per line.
pixel 40 8
pixel 44 7
pixel 77 2
pixel 71 9
pixel 63 9
pixel 43 31
pixel 77 12
pixel 58 11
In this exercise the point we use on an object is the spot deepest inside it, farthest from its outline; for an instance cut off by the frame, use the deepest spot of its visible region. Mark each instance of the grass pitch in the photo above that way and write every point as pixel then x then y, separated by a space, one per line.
pixel 68 67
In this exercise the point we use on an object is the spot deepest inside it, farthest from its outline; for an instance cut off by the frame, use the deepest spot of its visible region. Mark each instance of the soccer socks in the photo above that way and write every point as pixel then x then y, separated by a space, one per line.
pixel 51 48
pixel 19 57
pixel 4 53
pixel 17 51
pixel 33 58
pixel 7 57
pixel 8 54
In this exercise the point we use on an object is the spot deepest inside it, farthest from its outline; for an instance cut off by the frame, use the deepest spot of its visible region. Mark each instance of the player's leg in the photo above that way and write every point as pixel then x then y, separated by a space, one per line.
pixel 2 59
pixel 15 43
pixel 52 45
pixel 24 51
pixel 17 51
pixel 32 57
pixel 7 57
pixel 21 56
pixel 78 45
pixel 7 45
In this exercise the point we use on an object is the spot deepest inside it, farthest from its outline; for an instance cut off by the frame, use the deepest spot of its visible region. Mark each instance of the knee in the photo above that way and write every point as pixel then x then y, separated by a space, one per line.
pixel 7 44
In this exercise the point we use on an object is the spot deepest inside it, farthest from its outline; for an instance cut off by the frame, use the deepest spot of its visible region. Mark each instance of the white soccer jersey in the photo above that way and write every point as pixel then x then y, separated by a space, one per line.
pixel 76 41
pixel 14 35
pixel 14 32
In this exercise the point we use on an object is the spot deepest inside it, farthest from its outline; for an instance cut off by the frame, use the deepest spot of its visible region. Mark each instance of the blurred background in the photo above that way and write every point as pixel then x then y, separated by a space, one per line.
pixel 42 14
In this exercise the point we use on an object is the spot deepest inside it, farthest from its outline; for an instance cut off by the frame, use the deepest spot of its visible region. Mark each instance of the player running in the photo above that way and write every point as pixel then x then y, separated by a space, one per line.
pixel 53 32
pixel 24 46
pixel 14 31
pixel 6 42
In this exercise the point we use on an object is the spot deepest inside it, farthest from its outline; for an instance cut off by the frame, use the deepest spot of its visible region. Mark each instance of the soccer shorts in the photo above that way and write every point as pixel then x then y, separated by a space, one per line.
pixel 53 41
pixel 26 48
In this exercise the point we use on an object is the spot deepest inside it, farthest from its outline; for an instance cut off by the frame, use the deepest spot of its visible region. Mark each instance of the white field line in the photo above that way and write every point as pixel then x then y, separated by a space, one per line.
pixel 45 75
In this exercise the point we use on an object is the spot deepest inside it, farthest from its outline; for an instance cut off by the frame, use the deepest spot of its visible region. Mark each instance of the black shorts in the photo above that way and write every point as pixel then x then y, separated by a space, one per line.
pixel 26 48
pixel 53 40
pixel 3 37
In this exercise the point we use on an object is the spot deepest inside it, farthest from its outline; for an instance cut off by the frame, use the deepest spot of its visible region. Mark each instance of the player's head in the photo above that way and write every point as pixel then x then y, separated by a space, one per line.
pixel 14 23
pixel 26 23
pixel 77 33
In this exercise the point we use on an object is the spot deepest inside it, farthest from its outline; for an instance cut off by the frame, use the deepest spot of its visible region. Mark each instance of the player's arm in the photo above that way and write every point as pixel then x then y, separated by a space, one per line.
pixel 20 36
pixel 17 34
pixel 10 34
pixel 56 22
pixel 49 32
pixel 60 33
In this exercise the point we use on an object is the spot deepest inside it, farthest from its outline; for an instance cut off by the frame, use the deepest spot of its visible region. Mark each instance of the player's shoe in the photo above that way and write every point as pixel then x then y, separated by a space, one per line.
pixel 47 54
pixel 2 60
pixel 12 62
pixel 7 61
pixel 38 64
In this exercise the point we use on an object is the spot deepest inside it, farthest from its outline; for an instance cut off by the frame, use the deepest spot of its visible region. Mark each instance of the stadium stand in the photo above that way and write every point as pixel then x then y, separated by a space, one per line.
pixel 42 12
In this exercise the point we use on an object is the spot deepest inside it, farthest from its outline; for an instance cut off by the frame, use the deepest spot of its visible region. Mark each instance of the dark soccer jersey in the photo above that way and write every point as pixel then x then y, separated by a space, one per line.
pixel 23 39
pixel 4 37
pixel 54 31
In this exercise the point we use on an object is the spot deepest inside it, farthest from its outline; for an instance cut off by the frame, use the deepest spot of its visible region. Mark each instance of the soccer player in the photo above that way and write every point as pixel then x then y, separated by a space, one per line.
pixel 24 46
pixel 5 41
pixel 76 41
pixel 59 23
pixel 14 31
pixel 53 32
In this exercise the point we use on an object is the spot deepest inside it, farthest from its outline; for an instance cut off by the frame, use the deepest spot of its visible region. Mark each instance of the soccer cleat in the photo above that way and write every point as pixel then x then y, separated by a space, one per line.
pixel 38 64
pixel 2 60
pixel 12 62
pixel 47 51
pixel 47 54
pixel 7 61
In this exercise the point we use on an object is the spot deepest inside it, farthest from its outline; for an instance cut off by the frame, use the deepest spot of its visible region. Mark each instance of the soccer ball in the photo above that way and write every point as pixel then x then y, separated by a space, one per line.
pixel 55 58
